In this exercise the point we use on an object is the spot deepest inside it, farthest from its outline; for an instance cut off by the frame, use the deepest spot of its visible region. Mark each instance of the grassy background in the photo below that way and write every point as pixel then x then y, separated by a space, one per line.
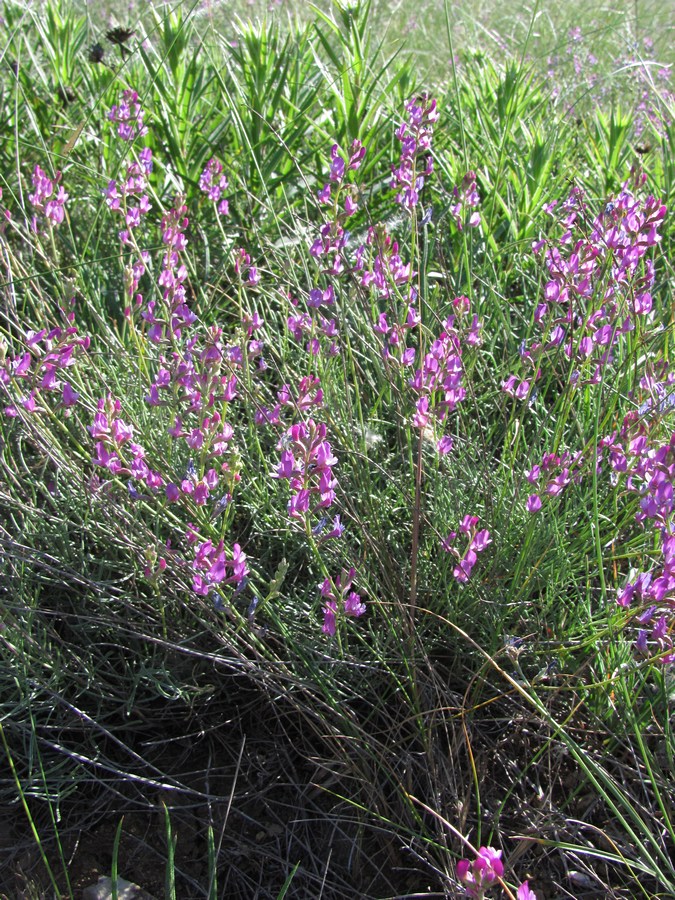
pixel 211 754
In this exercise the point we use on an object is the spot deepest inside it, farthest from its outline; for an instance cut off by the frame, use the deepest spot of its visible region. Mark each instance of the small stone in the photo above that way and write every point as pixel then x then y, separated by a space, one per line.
pixel 125 890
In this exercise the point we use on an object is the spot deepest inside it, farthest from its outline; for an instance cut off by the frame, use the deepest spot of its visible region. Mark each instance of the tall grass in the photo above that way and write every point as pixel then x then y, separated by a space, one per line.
pixel 208 723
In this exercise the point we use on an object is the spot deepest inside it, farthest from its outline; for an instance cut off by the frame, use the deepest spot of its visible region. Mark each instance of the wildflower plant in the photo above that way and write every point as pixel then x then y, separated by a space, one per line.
pixel 349 420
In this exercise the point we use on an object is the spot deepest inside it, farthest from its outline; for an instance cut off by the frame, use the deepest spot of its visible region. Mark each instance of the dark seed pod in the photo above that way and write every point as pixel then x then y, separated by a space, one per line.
pixel 66 94
pixel 95 53
pixel 119 36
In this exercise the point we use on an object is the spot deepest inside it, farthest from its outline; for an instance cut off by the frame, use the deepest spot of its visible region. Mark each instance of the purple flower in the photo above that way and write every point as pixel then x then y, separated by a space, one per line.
pixel 213 183
pixel 329 621
pixel 481 540
pixel 480 874
pixel 444 445
pixel 70 397
pixel 468 523
pixel 212 567
pixel 108 460
pixel 336 531
pixel 466 197
pixel 354 605
pixel 478 541
pixel 415 162
pixel 53 208
pixel 121 431
pixel 356 154
pixel 340 598
pixel 128 116
pixel 337 166
pixel 533 504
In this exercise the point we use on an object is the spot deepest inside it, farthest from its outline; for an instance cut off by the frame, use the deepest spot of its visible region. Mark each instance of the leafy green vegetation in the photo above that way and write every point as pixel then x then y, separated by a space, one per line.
pixel 336 451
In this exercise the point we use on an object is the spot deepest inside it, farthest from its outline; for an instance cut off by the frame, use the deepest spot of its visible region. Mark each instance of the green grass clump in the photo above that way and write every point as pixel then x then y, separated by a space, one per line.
pixel 182 383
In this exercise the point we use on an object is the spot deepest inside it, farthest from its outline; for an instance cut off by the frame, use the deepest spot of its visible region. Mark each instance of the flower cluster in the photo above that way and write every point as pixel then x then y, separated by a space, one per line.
pixel 481 873
pixel 307 463
pixel 308 393
pixel 196 374
pixel 657 390
pixel 199 381
pixel 306 459
pixel 641 463
pixel 438 384
pixel 246 273
pixel 416 162
pixel 305 327
pixel 330 244
pixel 378 260
pixel 40 367
pixel 520 389
pixel 647 467
pixel 117 451
pixel 213 569
pixel 597 284
pixel 339 166
pixel 176 314
pixel 385 272
pixel 213 183
pixel 466 198
pixel 52 207
pixel 396 348
pixel 340 599
pixel 129 197
pixel 319 332
pixel 478 540
pixel 486 870
pixel 128 115
pixel 552 476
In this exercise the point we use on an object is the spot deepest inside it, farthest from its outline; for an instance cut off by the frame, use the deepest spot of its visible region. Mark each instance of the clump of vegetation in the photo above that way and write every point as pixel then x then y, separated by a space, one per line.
pixel 336 464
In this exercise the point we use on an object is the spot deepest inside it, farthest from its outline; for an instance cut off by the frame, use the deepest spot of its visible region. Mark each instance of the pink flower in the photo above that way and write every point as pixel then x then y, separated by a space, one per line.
pixel 105 459
pixel 329 624
pixel 481 540
pixel 524 892
pixel 533 504
pixel 212 182
pixel 338 595
pixel 444 445
pixel 509 385
pixel 54 208
pixel 128 116
pixel 483 872
pixel 643 303
pixel 337 166
pixel 354 605
pixel 415 162
pixel 468 522
pixel 336 531
pixel 70 397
